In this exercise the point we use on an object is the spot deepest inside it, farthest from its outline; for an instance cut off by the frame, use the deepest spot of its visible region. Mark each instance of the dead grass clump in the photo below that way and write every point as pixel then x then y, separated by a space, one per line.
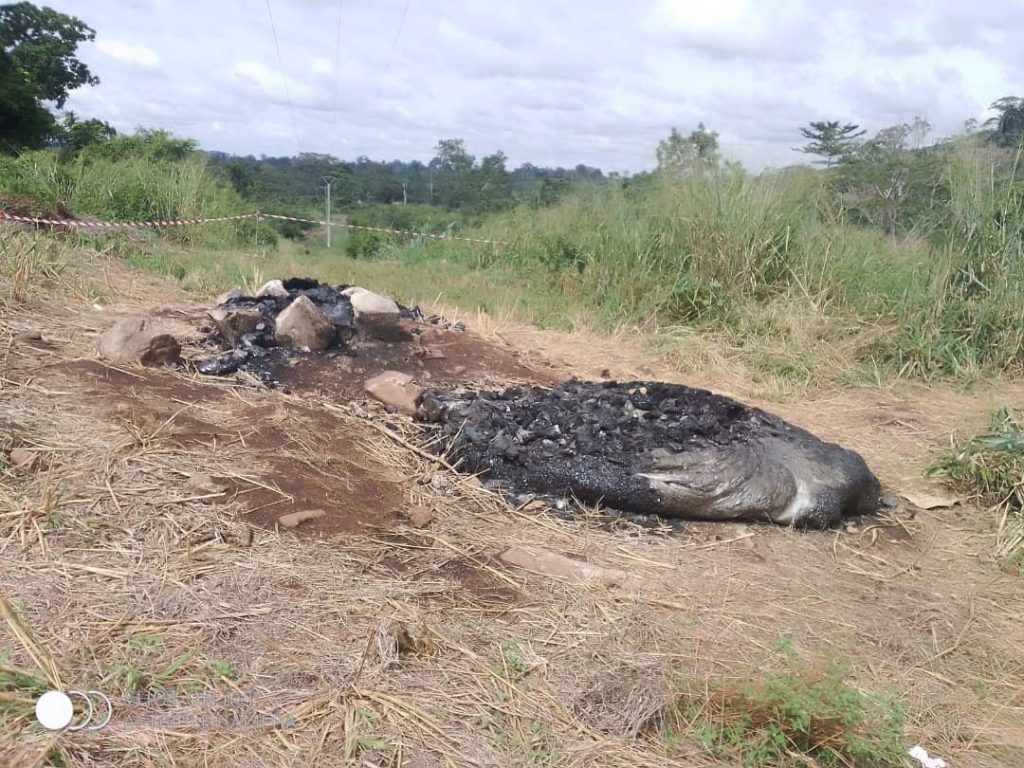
pixel 24 260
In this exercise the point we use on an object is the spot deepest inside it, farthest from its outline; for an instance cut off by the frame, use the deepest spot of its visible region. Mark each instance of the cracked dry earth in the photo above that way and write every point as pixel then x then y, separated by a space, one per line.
pixel 140 548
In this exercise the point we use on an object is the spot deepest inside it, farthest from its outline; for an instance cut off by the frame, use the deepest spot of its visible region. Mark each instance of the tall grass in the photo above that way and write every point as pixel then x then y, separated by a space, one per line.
pixel 126 188
pixel 736 253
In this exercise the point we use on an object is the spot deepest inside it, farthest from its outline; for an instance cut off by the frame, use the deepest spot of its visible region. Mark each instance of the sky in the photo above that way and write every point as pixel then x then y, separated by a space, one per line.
pixel 550 82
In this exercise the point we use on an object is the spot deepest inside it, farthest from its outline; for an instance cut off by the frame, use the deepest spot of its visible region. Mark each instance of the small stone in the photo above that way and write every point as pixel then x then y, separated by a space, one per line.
pixel 534 506
pixel 439 481
pixel 23 458
pixel 295 519
pixel 28 336
pixel 303 326
pixel 205 484
pixel 233 324
pixel 136 340
pixel 395 389
pixel 272 288
pixel 546 563
pixel 420 517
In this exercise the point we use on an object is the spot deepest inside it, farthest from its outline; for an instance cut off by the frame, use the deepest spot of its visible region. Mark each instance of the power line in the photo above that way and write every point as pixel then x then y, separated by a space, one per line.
pixel 337 68
pixel 394 45
pixel 284 79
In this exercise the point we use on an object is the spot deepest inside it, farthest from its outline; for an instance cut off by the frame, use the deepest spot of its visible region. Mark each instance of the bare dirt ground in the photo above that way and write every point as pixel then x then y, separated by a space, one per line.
pixel 139 556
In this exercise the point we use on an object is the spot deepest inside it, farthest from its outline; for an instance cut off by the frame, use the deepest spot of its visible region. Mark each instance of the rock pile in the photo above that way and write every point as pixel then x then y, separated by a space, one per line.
pixel 296 315
pixel 651 448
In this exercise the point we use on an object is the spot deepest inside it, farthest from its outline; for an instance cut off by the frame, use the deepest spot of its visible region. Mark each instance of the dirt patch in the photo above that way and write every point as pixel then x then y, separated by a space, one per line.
pixel 437 357
pixel 291 457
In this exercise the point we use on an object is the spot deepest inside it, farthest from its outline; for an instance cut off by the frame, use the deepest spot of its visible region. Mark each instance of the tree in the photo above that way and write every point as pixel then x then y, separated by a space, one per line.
pixel 37 65
pixel 452 173
pixel 882 178
pixel 73 134
pixel 1008 125
pixel 678 155
pixel 830 140
pixel 495 183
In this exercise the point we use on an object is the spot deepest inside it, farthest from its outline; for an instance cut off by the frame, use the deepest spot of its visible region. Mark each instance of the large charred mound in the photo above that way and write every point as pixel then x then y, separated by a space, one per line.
pixel 651 448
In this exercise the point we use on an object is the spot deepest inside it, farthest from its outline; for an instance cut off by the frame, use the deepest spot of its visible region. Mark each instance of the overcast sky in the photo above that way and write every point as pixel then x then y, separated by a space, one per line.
pixel 553 83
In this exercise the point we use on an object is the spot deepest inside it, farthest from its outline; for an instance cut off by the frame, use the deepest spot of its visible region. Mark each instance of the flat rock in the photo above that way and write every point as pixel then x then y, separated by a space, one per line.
pixel 138 340
pixel 23 458
pixel 367 303
pixel 273 288
pixel 547 563
pixel 395 389
pixel 26 336
pixel 201 483
pixel 930 500
pixel 303 326
pixel 420 516
pixel 295 519
pixel 235 322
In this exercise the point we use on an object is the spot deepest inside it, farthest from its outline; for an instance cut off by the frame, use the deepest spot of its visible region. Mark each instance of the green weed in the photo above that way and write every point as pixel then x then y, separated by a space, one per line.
pixel 989 468
pixel 803 715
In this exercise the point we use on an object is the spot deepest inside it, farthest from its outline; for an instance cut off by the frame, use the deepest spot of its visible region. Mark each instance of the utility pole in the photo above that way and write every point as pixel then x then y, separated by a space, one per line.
pixel 327 181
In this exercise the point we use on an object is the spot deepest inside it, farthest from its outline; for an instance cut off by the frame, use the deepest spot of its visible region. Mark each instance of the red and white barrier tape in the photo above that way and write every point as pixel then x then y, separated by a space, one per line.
pixel 182 222
pixel 117 224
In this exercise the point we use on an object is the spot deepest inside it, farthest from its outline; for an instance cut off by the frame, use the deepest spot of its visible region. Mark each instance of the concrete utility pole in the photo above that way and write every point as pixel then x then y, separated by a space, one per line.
pixel 327 181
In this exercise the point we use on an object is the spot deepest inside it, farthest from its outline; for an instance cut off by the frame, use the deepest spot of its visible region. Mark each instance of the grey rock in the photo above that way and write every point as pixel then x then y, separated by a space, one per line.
pixel 137 340
pixel 303 326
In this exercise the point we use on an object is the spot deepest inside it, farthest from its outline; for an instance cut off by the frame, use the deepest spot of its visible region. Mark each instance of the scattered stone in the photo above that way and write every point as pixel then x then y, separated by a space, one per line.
pixel 547 563
pixel 295 519
pixel 420 516
pixel 136 340
pixel 231 295
pixel 395 389
pixel 272 288
pixel 303 326
pixel 406 644
pixel 235 323
pixel 23 458
pixel 204 484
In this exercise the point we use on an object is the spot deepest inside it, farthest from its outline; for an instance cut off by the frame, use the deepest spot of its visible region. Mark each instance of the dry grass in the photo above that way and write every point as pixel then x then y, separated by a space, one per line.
pixel 418 647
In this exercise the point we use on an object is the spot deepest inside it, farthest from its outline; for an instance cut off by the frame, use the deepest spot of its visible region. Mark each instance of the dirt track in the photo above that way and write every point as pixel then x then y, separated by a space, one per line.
pixel 133 579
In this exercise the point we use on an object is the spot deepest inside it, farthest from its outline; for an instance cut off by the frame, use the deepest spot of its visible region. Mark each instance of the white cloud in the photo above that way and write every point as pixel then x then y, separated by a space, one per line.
pixel 321 66
pixel 548 83
pixel 129 53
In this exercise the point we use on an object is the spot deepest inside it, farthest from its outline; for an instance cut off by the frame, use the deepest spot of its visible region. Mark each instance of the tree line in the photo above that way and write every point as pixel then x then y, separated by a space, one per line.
pixel 453 179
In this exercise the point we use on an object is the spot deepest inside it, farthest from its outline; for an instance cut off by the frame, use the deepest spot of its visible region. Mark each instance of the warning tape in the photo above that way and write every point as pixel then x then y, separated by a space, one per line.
pixel 117 224
pixel 76 223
